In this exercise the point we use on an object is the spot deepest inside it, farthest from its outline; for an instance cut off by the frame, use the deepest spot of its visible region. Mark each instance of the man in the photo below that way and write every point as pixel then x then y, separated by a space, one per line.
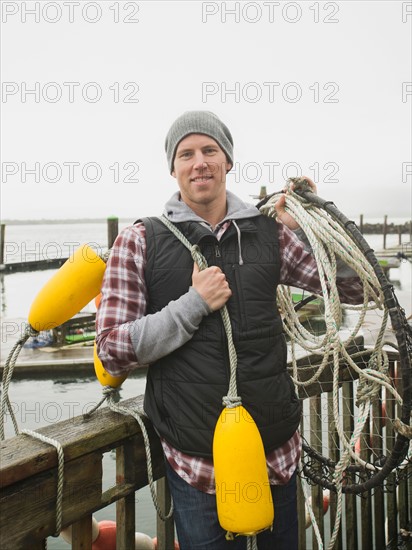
pixel 159 309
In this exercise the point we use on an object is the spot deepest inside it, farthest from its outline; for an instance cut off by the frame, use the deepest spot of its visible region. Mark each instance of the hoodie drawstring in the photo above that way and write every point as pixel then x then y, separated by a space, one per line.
pixel 239 242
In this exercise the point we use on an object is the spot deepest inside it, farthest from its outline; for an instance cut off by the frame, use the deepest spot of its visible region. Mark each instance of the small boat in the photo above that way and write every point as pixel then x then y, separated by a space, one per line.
pixel 388 262
pixel 80 337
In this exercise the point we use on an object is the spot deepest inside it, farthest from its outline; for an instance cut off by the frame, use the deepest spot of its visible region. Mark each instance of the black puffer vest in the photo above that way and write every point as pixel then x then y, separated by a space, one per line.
pixel 184 390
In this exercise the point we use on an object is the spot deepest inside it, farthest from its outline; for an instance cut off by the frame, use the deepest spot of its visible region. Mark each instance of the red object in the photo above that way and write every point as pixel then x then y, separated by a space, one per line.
pixel 326 499
pixel 106 539
pixel 177 547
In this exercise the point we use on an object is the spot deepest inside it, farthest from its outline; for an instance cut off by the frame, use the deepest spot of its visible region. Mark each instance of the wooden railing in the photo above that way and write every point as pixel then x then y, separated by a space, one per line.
pixel 28 478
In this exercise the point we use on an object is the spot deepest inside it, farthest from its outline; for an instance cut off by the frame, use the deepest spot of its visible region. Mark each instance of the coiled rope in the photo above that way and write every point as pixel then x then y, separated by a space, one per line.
pixel 329 241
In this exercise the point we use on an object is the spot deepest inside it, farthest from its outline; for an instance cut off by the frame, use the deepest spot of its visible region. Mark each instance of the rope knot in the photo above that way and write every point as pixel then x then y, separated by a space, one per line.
pixel 111 393
pixel 367 391
pixel 299 184
pixel 105 255
pixel 231 402
pixel 29 331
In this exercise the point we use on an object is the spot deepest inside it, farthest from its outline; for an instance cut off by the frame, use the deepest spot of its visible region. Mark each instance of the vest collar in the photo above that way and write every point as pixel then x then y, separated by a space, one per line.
pixel 198 233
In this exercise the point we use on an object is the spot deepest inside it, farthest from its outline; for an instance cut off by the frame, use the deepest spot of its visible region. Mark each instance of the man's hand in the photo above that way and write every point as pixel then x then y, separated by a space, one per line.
pixel 212 286
pixel 282 215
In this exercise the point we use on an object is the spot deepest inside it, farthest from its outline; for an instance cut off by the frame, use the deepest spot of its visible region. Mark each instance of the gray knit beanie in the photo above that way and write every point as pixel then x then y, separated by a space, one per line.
pixel 198 122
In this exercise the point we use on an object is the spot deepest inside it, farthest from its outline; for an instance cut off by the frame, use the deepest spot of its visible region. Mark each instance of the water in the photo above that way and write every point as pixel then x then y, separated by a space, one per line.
pixel 46 241
pixel 39 402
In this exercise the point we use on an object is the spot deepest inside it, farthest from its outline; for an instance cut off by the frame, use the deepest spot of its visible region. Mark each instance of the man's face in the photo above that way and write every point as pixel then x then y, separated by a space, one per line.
pixel 200 168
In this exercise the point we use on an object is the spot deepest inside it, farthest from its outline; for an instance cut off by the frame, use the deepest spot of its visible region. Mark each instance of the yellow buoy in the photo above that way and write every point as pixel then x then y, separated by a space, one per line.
pixel 103 376
pixel 73 286
pixel 243 495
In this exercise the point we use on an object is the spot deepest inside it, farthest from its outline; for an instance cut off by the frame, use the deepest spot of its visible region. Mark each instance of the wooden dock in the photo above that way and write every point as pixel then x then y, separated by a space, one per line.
pixel 65 354
pixel 401 249
pixel 49 263
pixel 28 478
pixel 35 265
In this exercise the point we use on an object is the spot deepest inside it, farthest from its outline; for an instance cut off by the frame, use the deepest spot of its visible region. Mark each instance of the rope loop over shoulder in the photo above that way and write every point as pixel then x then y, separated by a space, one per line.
pixel 198 257
pixel 202 263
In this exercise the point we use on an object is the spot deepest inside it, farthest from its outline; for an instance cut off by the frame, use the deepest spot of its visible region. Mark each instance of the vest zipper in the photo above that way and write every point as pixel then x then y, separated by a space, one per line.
pixel 217 251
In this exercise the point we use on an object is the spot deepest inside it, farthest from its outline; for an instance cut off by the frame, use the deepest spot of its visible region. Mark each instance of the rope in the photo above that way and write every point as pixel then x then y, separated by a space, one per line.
pixel 137 416
pixel 112 396
pixel 309 508
pixel 105 256
pixel 6 405
pixel 60 475
pixel 230 400
pixel 329 240
pixel 7 376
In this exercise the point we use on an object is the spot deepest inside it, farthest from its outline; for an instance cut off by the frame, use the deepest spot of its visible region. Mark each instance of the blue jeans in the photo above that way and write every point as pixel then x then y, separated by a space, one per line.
pixel 198 527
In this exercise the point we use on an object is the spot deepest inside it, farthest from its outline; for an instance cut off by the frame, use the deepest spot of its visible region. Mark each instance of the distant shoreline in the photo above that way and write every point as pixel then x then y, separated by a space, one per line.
pixel 61 222
pixel 368 228
pixel 391 228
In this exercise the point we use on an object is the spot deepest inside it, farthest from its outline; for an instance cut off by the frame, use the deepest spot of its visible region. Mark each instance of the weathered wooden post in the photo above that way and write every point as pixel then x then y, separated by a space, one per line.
pixel 2 235
pixel 112 230
pixel 361 223
pixel 385 229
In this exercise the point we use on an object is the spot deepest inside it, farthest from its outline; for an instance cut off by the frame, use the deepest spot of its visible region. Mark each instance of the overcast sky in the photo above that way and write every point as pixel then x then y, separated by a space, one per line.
pixel 89 90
